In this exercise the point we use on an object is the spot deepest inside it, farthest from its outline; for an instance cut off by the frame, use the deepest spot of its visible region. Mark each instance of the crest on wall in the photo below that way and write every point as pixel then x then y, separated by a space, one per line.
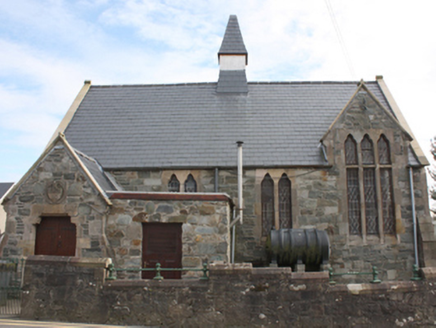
pixel 55 192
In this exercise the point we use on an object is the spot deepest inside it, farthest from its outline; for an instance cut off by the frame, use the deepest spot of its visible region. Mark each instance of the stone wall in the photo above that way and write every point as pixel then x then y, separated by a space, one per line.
pixel 319 200
pixel 75 198
pixel 116 230
pixel 70 289
pixel 205 228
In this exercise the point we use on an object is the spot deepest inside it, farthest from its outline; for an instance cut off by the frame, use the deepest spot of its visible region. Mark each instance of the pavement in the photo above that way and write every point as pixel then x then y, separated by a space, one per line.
pixel 13 322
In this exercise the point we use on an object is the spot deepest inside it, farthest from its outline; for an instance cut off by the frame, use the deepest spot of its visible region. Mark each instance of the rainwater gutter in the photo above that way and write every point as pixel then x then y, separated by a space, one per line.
pixel 415 230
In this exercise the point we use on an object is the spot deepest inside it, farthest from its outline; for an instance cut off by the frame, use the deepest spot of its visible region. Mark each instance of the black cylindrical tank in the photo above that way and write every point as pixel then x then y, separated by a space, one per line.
pixel 299 246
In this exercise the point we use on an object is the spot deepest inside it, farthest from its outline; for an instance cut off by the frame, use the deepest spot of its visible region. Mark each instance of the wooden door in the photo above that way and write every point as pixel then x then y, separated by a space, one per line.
pixel 162 242
pixel 55 236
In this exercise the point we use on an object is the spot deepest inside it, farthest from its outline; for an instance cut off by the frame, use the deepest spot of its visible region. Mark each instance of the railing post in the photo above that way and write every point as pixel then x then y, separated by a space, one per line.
pixel 331 281
pixel 375 279
pixel 415 276
pixel 111 270
pixel 205 277
pixel 158 275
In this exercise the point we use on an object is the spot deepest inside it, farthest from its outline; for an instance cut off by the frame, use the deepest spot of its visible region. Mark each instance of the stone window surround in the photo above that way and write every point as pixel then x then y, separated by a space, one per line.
pixel 276 175
pixel 374 137
pixel 182 176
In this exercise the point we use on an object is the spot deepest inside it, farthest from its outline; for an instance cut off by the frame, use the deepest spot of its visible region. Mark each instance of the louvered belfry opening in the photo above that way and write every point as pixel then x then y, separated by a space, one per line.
pixel 267 200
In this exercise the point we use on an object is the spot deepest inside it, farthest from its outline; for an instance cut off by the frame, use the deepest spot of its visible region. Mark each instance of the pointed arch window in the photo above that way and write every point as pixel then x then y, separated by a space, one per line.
pixel 367 151
pixel 350 151
pixel 174 184
pixel 267 200
pixel 353 190
pixel 285 216
pixel 363 172
pixel 384 154
pixel 384 158
pixel 387 201
pixel 190 184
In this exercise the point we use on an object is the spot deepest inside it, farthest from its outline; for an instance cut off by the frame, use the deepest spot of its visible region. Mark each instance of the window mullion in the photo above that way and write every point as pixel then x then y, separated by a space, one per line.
pixel 379 198
pixel 362 202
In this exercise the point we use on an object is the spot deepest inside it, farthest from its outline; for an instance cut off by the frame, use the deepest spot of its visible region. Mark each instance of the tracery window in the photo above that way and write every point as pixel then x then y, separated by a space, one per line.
pixel 384 154
pixel 364 171
pixel 353 191
pixel 384 159
pixel 267 200
pixel 285 218
pixel 174 184
pixel 350 151
pixel 190 184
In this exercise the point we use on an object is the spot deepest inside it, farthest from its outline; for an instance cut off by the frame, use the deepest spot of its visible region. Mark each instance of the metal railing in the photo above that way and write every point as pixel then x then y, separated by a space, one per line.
pixel 374 273
pixel 112 271
pixel 11 271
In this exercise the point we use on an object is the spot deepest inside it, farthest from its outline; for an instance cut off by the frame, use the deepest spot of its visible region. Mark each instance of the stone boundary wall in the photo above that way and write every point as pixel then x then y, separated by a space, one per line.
pixel 72 289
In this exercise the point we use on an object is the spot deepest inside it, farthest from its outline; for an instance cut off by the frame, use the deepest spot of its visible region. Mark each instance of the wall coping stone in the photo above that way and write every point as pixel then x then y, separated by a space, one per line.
pixel 71 260
pixel 171 196
pixel 169 283
pixel 271 271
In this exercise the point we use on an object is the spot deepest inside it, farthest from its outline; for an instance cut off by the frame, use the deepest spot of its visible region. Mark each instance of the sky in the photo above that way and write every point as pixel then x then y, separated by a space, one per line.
pixel 48 48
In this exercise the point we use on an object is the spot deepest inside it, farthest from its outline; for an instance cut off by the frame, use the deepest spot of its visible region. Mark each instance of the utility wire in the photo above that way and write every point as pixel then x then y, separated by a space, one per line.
pixel 340 38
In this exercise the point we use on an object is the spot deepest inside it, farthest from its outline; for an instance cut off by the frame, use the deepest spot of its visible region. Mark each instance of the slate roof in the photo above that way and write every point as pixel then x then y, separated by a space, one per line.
pixel 97 172
pixel 193 126
pixel 233 43
pixel 4 187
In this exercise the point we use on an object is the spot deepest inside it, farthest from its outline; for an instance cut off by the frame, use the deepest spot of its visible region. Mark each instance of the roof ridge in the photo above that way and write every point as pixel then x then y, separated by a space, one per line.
pixel 214 83
pixel 150 85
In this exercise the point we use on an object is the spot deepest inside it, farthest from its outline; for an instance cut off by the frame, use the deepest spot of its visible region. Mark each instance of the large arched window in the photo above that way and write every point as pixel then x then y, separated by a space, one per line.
pixel 267 195
pixel 190 184
pixel 364 171
pixel 285 212
pixel 174 184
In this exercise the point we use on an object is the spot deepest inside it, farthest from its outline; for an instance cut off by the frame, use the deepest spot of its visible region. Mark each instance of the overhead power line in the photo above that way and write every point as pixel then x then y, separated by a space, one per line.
pixel 340 38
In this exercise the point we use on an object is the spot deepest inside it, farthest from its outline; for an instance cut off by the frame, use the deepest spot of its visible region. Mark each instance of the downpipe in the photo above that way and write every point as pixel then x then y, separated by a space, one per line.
pixel 240 202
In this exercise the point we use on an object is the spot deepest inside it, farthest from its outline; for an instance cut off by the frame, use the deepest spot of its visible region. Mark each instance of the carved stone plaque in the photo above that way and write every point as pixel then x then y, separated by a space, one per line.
pixel 55 192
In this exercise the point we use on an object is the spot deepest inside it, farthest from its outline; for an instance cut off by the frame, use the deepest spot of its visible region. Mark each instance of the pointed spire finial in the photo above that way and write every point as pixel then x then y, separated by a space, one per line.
pixel 233 43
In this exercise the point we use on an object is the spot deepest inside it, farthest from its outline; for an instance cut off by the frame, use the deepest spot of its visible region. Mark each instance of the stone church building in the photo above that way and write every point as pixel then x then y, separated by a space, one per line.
pixel 147 173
